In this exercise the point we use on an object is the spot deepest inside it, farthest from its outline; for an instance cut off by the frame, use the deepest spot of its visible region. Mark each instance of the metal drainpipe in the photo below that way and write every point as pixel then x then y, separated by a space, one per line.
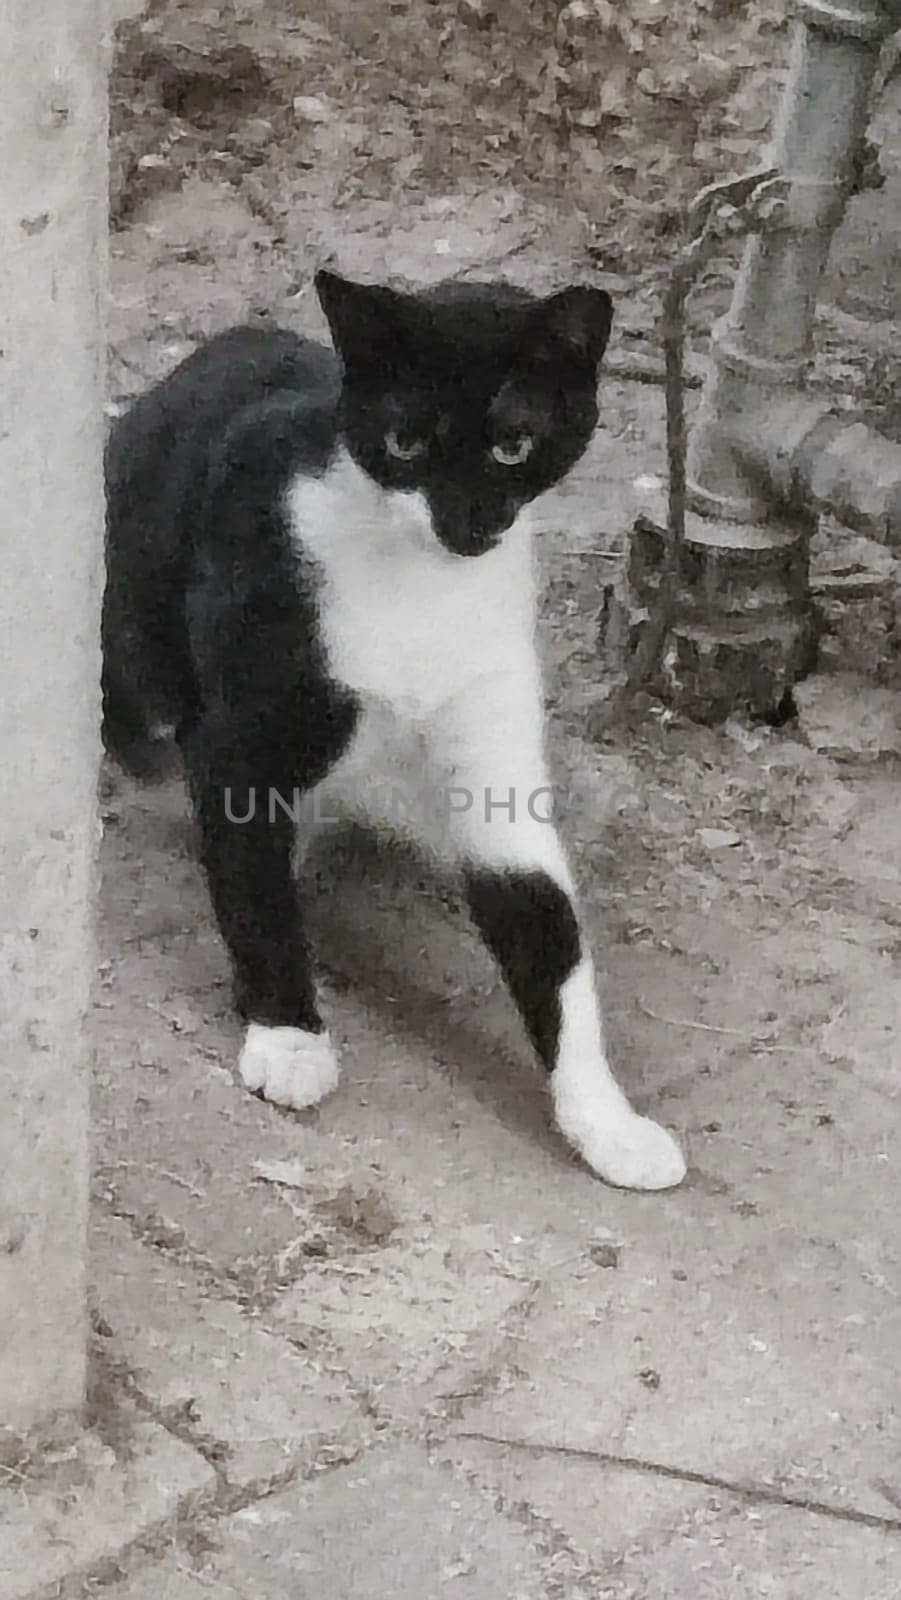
pixel 763 457
pixel 764 344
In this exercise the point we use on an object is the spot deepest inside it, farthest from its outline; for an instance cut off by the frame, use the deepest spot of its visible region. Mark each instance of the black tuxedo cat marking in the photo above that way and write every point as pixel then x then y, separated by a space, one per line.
pixel 319 568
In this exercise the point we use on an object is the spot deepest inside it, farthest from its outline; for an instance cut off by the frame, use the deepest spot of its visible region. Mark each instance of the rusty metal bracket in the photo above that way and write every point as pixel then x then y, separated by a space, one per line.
pixel 730 196
pixel 720 211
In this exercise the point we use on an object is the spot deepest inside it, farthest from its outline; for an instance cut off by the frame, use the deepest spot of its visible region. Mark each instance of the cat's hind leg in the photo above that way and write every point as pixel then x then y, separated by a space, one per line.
pixel 520 895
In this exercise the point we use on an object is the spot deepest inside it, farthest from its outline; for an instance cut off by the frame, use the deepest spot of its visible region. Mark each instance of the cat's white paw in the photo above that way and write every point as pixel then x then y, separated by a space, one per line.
pixel 288 1066
pixel 626 1150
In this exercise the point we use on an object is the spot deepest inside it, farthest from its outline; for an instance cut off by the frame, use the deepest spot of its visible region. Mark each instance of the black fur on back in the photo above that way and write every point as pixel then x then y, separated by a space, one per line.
pixel 225 431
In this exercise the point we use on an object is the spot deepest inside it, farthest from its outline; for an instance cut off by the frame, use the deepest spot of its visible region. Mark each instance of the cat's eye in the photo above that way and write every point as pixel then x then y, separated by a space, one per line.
pixel 513 453
pixel 403 449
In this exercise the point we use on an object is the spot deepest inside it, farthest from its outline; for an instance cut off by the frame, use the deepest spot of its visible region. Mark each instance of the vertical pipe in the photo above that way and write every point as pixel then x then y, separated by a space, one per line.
pixel 53 203
pixel 761 349
pixel 738 623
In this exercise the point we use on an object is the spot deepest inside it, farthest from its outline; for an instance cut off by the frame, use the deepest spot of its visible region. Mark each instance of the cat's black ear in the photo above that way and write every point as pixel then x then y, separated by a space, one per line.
pixel 579 318
pixel 365 319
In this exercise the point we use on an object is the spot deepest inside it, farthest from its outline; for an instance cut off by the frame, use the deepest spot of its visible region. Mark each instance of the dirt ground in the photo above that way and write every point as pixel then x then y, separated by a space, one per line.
pixel 626 1395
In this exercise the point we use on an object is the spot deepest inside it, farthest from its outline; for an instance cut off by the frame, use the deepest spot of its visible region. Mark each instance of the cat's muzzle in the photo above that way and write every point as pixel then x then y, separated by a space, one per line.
pixel 468 530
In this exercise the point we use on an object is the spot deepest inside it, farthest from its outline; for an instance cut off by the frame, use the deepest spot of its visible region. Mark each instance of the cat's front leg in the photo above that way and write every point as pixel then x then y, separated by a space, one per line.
pixel 270 723
pixel 520 894
pixel 247 838
pixel 526 917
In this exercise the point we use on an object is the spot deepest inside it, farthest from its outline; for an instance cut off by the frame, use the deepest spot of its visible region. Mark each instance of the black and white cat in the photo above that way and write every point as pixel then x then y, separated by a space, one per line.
pixel 320 572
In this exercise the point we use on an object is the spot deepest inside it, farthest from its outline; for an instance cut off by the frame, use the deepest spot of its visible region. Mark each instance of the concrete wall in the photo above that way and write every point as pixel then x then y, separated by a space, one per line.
pixel 52 285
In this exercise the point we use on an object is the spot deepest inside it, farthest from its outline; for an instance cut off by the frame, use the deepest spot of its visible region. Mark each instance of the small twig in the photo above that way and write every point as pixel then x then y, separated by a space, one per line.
pixel 180 1183
pixel 632 367
pixel 762 1493
pixel 754 1039
pixel 686 1022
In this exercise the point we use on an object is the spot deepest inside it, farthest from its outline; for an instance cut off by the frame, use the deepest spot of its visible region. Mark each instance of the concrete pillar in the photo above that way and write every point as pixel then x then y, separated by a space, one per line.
pixel 52 287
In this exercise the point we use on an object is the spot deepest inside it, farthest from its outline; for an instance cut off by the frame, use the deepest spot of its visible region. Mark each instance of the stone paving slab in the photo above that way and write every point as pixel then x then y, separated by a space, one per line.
pixel 259 1405
pixel 797 1140
pixel 652 1538
pixel 761 1356
pixel 82 1506
pixel 602 1512
pixel 391 1525
pixel 420 1324
pixel 763 1555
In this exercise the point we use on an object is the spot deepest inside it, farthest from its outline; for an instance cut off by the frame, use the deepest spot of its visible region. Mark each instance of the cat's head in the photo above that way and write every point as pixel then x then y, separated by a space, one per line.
pixel 479 396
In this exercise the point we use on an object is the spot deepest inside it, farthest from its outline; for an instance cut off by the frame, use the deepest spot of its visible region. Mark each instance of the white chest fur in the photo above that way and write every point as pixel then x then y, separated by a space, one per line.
pixel 424 638
pixel 406 624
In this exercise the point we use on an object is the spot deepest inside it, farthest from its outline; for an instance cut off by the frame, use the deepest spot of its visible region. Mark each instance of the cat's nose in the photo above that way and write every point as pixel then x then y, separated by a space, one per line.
pixel 467 541
pixel 469 527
